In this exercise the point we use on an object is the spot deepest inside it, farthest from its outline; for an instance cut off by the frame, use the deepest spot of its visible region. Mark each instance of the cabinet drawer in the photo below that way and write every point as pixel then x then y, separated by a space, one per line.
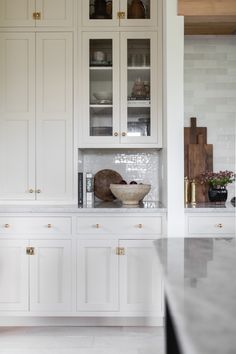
pixel 39 225
pixel 120 225
pixel 211 225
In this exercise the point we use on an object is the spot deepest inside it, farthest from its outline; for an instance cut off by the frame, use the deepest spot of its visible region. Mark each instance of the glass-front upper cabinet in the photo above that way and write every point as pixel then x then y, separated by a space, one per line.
pixel 141 82
pixel 101 87
pixel 120 12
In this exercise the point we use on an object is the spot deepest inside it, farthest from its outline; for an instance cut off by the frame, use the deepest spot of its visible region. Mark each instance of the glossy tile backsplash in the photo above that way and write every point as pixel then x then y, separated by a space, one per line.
pixel 132 165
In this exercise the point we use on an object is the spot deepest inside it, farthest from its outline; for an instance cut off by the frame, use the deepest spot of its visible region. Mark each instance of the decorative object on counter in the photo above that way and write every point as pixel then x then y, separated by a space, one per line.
pixel 198 156
pixel 193 192
pixel 186 190
pixel 100 10
pixel 80 188
pixel 89 188
pixel 130 194
pixel 136 10
pixel 139 90
pixel 217 183
pixel 102 181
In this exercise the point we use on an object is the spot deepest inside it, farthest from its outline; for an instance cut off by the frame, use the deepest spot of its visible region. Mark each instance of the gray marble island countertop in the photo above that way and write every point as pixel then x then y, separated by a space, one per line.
pixel 98 207
pixel 200 287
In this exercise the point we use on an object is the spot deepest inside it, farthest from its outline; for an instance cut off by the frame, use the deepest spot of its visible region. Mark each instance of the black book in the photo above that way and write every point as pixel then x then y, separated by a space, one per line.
pixel 80 188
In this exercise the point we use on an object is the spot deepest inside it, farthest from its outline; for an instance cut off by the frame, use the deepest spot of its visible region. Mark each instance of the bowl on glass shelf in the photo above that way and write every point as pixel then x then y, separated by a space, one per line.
pixel 130 194
pixel 103 96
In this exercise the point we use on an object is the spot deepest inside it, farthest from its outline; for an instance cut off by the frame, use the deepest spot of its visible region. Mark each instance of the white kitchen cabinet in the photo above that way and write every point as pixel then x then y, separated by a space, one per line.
pixel 116 13
pixel 50 276
pixel 141 289
pixel 122 90
pixel 36 166
pixel 97 276
pixel 14 273
pixel 15 13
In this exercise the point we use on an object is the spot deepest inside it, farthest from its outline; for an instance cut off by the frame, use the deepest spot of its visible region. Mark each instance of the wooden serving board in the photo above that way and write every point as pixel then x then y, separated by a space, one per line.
pixel 200 159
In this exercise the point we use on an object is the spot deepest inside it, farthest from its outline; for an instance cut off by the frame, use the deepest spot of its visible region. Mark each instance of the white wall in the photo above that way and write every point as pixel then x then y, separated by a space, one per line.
pixel 210 94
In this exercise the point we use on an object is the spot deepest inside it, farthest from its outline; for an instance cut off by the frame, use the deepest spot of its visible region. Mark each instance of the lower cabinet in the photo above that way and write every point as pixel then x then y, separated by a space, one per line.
pixel 35 275
pixel 118 276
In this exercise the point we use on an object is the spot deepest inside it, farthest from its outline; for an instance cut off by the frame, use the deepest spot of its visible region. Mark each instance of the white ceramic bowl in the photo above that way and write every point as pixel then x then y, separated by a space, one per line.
pixel 103 96
pixel 130 194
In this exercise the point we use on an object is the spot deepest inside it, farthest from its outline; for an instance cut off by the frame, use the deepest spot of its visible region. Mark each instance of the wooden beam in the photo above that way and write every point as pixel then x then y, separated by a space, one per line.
pixel 207 7
pixel 212 25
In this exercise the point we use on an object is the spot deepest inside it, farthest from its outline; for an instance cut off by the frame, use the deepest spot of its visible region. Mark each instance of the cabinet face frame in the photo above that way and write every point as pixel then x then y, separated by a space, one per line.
pixel 120 6
pixel 96 140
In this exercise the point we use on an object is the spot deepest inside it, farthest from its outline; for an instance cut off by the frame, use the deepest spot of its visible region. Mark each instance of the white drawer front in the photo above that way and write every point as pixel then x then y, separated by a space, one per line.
pixel 35 225
pixel 211 225
pixel 120 225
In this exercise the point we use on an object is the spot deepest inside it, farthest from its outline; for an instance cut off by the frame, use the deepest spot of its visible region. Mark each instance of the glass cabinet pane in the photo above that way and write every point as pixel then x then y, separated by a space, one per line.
pixel 139 91
pixel 101 87
pixel 100 9
pixel 138 9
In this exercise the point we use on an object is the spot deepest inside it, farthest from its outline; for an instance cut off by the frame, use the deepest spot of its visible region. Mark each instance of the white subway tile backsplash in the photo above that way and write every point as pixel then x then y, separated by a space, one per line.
pixel 210 94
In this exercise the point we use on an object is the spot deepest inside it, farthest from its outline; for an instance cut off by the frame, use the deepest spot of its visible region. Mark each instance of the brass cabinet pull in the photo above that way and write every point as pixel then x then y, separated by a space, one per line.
pixel 38 191
pixel 140 226
pixel 124 134
pixel 7 226
pixel 49 226
pixel 97 226
pixel 37 15
pixel 219 226
pixel 120 251
pixel 116 134
pixel 121 15
pixel 31 190
pixel 30 251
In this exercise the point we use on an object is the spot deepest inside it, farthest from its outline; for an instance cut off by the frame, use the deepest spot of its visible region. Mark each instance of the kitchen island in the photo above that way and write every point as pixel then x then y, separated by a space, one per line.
pixel 200 293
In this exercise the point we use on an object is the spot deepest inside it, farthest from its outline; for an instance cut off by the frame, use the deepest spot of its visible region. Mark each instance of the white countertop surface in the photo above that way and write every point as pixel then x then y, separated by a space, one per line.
pixel 210 208
pixel 100 207
pixel 200 286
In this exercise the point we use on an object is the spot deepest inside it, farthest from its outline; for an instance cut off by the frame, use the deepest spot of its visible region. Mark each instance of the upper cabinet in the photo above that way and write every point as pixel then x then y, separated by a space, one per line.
pixel 122 89
pixel 14 13
pixel 120 12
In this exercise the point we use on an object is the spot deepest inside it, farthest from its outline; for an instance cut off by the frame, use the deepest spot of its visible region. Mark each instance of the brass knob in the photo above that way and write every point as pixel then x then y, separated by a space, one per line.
pixel 30 251
pixel 116 134
pixel 37 15
pixel 7 226
pixel 97 226
pixel 124 134
pixel 49 226
pixel 31 190
pixel 120 251
pixel 38 191
pixel 219 226
pixel 121 15
pixel 140 226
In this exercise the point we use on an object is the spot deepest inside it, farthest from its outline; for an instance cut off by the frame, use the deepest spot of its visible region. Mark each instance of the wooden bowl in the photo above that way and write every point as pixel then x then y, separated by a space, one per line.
pixel 102 181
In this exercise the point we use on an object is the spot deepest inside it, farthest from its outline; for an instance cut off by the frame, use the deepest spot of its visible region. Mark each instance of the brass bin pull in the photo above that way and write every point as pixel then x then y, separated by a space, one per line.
pixel 30 251
pixel 219 226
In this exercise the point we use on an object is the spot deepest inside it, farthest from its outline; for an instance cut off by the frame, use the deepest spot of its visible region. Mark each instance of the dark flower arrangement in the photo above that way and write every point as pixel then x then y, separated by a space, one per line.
pixel 217 179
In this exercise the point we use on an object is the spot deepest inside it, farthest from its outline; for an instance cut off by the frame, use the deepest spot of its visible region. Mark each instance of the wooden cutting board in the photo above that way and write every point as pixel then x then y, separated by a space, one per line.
pixel 191 137
pixel 200 159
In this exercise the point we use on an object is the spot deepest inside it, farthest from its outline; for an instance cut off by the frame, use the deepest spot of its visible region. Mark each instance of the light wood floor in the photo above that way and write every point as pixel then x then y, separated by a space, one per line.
pixel 81 340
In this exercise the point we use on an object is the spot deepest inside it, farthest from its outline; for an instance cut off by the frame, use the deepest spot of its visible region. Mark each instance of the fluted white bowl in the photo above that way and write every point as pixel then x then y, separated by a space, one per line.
pixel 130 194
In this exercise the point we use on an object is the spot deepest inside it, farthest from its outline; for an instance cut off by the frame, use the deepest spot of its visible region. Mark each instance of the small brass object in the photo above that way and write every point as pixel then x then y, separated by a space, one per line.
pixel 31 190
pixel 38 191
pixel 49 226
pixel 116 134
pixel 37 15
pixel 140 226
pixel 120 251
pixel 193 192
pixel 123 134
pixel 7 226
pixel 30 251
pixel 219 225
pixel 186 190
pixel 121 15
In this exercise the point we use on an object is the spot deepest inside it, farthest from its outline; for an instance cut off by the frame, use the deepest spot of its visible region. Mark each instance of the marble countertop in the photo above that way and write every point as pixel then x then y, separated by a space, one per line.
pixel 99 207
pixel 210 208
pixel 200 286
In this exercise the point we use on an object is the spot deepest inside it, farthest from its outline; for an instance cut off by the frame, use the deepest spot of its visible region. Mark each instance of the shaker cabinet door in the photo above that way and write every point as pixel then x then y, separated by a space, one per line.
pixel 17 13
pixel 55 12
pixel 14 273
pixel 17 116
pixel 54 116
pixel 97 276
pixel 50 276
pixel 140 278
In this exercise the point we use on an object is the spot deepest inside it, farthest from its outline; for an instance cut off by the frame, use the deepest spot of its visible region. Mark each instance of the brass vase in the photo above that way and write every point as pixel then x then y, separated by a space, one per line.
pixel 136 10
